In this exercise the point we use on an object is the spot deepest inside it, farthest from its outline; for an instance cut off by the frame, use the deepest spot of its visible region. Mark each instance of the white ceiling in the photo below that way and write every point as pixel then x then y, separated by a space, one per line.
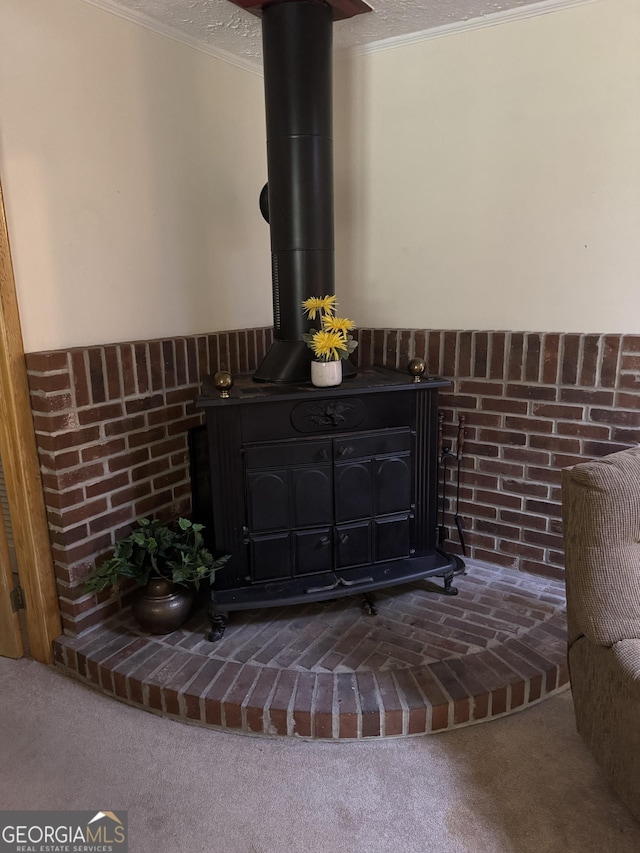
pixel 221 27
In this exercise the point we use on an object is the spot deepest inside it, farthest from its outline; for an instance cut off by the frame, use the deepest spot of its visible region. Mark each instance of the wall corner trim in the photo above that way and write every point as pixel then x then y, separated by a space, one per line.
pixel 495 19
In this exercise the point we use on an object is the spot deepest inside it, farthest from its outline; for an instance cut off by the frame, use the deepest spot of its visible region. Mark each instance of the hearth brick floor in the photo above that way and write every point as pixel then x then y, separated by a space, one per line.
pixel 425 663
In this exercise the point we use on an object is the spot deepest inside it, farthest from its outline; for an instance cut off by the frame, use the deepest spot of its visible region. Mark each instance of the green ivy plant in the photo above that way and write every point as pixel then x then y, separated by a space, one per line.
pixel 175 552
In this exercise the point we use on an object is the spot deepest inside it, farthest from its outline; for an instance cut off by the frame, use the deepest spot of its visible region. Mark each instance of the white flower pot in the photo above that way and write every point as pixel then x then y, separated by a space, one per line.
pixel 324 374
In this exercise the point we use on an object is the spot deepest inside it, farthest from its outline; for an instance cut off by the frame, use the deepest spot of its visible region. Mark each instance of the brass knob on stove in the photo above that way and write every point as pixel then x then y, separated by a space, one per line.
pixel 416 368
pixel 223 381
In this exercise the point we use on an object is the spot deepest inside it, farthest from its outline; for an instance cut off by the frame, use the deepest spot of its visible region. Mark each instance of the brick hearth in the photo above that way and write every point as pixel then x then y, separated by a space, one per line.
pixel 425 663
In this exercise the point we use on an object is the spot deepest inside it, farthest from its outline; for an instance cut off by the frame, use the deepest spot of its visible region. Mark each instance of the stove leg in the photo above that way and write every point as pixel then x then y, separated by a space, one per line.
pixel 218 622
pixel 368 606
pixel 448 580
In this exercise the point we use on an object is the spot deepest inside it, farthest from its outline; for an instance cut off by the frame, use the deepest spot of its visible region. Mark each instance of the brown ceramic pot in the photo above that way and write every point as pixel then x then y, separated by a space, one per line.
pixel 162 606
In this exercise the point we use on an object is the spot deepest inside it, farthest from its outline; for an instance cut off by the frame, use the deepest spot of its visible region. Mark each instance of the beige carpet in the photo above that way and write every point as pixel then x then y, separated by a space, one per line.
pixel 522 784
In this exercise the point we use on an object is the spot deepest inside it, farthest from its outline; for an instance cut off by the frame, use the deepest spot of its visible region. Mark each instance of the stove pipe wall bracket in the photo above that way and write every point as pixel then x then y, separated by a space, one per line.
pixel 297 42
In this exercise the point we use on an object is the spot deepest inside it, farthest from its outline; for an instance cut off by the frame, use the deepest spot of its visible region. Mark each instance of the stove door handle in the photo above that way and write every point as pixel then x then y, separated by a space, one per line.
pixel 328 588
pixel 354 583
pixel 345 450
pixel 338 582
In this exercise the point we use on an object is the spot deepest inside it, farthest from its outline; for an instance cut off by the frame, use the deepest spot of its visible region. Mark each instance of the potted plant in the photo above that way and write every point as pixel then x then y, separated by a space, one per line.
pixel 330 341
pixel 169 562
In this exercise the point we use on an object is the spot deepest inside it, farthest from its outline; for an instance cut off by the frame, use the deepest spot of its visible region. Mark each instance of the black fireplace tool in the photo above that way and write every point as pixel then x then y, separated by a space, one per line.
pixel 444 454
pixel 459 448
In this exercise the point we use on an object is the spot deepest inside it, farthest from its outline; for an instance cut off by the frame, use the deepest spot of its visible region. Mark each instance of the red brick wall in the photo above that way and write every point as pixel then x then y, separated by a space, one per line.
pixel 534 404
pixel 111 427
pixel 112 421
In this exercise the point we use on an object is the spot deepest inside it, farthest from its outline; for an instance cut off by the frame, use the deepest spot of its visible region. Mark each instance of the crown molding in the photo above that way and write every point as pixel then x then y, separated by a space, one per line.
pixel 492 20
pixel 252 66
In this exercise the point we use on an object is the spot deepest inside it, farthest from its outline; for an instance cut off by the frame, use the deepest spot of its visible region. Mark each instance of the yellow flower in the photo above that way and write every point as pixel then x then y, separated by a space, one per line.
pixel 325 345
pixel 314 305
pixel 338 324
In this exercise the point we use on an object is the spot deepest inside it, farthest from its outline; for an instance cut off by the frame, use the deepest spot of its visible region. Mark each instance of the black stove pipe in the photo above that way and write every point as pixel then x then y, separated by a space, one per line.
pixel 297 39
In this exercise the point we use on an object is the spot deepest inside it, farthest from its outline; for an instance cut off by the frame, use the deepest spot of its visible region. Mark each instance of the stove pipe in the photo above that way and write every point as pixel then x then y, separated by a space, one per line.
pixel 297 39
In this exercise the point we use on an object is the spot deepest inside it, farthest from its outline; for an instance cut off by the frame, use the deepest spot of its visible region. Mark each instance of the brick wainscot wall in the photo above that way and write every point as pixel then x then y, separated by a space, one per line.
pixel 112 424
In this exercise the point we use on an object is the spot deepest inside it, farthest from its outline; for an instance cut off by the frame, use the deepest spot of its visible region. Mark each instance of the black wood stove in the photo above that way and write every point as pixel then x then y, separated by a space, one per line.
pixel 322 493
pixel 315 493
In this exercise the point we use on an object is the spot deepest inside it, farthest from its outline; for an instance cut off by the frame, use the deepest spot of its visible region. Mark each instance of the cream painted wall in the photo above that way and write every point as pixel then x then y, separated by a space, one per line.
pixel 131 168
pixel 487 179
pixel 491 179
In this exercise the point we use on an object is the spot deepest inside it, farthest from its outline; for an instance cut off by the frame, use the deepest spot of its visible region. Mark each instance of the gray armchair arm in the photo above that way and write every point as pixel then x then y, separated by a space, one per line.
pixel 627 654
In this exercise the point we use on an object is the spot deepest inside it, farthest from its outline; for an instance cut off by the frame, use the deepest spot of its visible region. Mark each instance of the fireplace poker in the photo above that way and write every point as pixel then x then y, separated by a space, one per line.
pixel 459 448
pixel 441 486
pixel 443 456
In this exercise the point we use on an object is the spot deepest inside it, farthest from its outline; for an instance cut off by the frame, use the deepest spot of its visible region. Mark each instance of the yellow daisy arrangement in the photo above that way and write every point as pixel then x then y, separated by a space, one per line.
pixel 332 340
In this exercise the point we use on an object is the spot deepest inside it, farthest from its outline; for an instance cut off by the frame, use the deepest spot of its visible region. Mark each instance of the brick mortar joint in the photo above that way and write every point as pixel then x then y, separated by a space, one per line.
pixel 41 374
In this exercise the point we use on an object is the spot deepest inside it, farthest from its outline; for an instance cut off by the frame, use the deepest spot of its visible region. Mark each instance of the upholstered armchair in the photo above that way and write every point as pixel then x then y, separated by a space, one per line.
pixel 601 510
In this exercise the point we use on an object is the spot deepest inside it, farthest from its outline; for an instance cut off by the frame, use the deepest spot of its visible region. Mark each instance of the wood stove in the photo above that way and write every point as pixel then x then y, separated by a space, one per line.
pixel 315 493
pixel 322 493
